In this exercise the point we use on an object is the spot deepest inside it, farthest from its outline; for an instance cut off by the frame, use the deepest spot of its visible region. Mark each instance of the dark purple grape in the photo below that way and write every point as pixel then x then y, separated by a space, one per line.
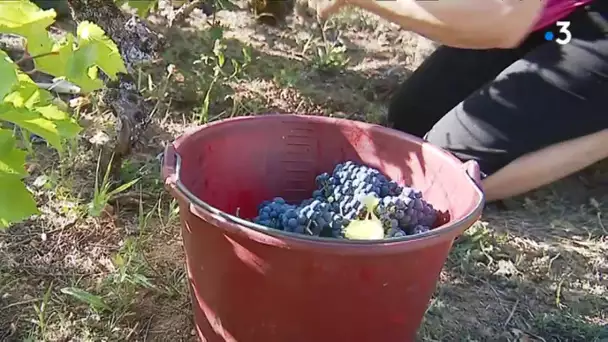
pixel 337 200
pixel 418 212
pixel 395 232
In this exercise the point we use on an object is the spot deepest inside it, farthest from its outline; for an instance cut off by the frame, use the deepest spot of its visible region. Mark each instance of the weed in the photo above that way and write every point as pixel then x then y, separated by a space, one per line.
pixel 104 192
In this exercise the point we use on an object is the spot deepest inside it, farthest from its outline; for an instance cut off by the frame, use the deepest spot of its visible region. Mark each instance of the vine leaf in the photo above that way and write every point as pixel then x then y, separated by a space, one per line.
pixel 77 58
pixel 24 18
pixel 55 64
pixel 20 204
pixel 33 122
pixel 12 160
pixel 27 94
pixel 66 126
pixel 8 74
pixel 95 49
pixel 74 58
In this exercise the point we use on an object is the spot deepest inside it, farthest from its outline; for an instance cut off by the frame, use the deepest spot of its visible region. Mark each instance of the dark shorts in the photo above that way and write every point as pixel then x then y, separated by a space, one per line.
pixel 495 105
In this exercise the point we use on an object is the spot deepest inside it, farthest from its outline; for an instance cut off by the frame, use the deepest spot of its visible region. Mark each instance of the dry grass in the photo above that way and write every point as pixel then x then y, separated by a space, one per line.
pixel 535 271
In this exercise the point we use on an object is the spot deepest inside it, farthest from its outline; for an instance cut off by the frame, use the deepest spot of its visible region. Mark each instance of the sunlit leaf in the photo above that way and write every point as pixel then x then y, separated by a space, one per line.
pixel 12 160
pixel 67 127
pixel 28 94
pixel 19 205
pixel 8 74
pixel 24 18
pixel 33 122
pixel 100 49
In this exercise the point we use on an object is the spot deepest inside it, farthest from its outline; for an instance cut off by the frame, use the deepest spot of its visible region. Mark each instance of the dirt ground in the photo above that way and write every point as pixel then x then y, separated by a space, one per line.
pixel 533 269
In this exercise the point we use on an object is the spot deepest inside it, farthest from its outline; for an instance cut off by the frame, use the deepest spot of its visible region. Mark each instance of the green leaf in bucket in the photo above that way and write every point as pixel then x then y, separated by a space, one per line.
pixel 369 228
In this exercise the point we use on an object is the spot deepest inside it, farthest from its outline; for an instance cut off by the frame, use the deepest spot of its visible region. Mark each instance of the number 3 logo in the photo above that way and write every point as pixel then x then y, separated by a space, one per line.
pixel 563 29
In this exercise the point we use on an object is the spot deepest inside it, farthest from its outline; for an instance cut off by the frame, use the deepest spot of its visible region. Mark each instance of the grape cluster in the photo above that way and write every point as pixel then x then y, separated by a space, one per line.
pixel 338 199
pixel 315 217
pixel 271 213
pixel 350 179
pixel 406 214
pixel 311 217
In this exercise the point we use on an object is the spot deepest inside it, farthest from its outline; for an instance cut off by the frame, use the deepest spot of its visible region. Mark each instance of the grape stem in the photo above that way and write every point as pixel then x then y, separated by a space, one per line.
pixel 26 57
pixel 308 228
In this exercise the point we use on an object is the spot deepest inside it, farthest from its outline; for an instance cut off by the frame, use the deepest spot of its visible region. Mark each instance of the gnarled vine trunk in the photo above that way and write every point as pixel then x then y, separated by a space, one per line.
pixel 137 43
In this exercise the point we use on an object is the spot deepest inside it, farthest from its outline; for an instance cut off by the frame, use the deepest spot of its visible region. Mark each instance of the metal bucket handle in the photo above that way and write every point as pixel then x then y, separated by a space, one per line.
pixel 172 172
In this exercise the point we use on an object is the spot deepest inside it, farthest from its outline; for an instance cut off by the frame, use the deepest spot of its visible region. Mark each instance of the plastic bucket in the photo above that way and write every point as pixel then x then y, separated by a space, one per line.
pixel 254 284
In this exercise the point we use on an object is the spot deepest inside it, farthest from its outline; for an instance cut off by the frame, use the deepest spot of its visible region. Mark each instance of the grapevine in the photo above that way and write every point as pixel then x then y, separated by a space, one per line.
pixel 350 200
pixel 77 59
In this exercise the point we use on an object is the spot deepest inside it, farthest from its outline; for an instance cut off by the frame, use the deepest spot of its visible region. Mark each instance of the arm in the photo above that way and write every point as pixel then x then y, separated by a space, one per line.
pixel 472 24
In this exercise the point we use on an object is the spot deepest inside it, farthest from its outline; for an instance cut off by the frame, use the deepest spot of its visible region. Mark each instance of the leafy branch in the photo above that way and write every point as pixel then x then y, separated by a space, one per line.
pixel 76 59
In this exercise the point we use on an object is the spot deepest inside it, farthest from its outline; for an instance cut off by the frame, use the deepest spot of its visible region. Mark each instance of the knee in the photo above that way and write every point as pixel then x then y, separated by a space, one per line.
pixel 461 144
pixel 405 112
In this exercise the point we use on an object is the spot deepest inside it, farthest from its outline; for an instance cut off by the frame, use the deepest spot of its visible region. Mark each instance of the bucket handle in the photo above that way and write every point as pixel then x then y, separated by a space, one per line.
pixel 171 171
pixel 472 170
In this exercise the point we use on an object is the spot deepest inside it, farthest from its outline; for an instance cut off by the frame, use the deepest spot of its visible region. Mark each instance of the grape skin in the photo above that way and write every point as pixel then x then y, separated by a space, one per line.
pixel 338 199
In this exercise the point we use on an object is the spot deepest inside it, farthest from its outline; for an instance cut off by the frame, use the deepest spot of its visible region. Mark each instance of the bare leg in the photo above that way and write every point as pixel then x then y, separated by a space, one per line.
pixel 545 166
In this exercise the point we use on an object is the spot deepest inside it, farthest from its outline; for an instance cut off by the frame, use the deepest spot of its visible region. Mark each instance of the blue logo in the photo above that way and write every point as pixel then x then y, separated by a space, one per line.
pixel 549 36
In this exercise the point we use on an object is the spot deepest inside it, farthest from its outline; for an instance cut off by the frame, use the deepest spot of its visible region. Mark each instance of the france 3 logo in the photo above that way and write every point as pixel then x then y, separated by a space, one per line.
pixel 563 35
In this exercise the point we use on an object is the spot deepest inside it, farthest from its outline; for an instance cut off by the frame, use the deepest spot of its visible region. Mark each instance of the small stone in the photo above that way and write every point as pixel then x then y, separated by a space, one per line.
pixel 100 138
pixel 40 181
pixel 79 102
pixel 506 268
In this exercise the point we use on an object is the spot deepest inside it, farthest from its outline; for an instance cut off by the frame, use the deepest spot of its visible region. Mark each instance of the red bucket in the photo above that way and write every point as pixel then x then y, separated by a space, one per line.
pixel 255 284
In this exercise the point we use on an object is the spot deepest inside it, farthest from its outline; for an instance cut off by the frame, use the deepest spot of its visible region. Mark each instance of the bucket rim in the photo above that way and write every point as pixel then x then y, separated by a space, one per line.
pixel 470 169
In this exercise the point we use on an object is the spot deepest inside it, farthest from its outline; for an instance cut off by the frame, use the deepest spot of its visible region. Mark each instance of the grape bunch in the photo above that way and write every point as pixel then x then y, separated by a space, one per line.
pixel 311 217
pixel 406 214
pixel 271 213
pixel 350 179
pixel 338 199
pixel 315 217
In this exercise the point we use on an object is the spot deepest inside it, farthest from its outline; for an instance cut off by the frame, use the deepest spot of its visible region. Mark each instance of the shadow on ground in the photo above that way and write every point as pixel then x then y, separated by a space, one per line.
pixel 535 273
pixel 271 77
